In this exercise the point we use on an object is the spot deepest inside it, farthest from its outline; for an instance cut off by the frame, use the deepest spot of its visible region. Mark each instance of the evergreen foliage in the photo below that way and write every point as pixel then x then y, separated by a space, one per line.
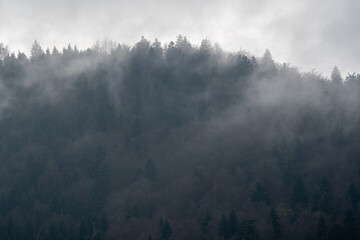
pixel 101 143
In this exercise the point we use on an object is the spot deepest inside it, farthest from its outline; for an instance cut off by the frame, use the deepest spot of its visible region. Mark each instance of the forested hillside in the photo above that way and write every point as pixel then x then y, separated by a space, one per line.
pixel 175 141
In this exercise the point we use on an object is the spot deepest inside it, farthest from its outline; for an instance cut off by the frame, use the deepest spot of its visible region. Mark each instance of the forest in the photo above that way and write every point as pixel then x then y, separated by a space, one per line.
pixel 175 141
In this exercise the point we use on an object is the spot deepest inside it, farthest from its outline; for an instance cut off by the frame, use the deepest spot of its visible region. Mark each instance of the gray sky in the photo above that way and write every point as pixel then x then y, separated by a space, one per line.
pixel 308 34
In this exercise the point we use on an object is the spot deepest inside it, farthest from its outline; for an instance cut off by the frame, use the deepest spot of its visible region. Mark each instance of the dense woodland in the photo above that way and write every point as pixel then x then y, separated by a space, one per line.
pixel 175 141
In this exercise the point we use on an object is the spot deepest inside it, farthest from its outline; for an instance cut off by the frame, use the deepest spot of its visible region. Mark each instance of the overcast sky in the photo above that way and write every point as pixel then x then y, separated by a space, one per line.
pixel 310 34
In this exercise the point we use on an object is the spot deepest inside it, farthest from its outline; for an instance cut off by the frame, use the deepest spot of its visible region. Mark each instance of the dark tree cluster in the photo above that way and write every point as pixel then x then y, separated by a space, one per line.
pixel 175 141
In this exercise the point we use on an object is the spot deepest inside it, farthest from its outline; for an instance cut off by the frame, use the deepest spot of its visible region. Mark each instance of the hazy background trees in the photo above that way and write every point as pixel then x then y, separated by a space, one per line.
pixel 175 141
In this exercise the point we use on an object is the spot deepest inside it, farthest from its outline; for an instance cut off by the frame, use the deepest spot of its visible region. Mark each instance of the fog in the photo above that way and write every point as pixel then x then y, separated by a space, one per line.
pixel 175 141
pixel 311 35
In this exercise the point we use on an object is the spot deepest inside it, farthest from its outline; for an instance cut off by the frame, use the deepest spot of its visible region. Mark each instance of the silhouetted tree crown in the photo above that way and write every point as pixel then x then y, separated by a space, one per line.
pixel 336 76
pixel 36 50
